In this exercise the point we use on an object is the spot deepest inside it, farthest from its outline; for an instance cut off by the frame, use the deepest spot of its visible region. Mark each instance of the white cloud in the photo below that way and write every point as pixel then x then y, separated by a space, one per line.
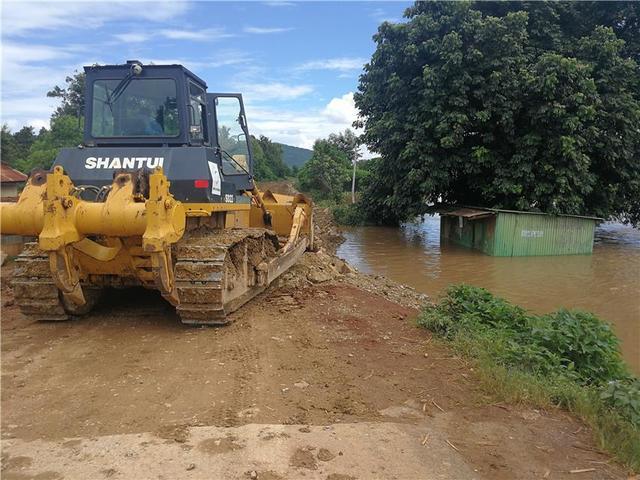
pixel 341 109
pixel 209 34
pixel 280 4
pixel 32 111
pixel 190 64
pixel 132 37
pixel 23 72
pixel 23 80
pixel 302 129
pixel 38 123
pixel 381 15
pixel 16 124
pixel 266 30
pixel 222 58
pixel 21 18
pixel 273 91
pixel 15 53
pixel 341 64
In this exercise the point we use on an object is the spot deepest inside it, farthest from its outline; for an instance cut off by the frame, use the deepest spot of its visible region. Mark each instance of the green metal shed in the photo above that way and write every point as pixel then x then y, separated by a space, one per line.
pixel 511 233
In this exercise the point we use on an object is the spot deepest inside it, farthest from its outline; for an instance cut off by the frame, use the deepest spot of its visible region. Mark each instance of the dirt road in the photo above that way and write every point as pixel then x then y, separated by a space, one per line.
pixel 320 380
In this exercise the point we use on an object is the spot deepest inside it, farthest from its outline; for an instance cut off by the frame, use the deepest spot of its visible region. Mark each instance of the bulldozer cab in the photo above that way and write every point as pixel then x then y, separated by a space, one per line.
pixel 133 107
pixel 160 195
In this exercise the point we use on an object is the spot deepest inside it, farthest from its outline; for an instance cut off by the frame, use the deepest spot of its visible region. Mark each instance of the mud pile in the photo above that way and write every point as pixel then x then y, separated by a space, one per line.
pixel 283 187
pixel 323 266
pixel 327 234
pixel 316 267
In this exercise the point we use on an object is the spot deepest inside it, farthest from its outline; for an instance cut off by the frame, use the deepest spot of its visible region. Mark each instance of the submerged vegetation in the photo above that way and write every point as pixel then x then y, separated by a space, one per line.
pixel 567 358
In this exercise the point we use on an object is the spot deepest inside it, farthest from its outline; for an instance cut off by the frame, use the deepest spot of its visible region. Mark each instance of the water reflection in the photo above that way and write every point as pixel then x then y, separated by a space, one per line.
pixel 606 283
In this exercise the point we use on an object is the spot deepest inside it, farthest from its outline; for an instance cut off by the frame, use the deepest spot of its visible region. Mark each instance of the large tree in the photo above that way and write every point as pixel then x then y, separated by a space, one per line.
pixel 71 96
pixel 9 148
pixel 326 174
pixel 533 106
pixel 16 146
pixel 65 132
pixel 268 163
pixel 348 142
pixel 24 138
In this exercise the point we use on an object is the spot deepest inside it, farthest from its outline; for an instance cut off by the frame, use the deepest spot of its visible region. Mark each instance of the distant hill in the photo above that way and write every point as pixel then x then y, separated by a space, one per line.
pixel 295 156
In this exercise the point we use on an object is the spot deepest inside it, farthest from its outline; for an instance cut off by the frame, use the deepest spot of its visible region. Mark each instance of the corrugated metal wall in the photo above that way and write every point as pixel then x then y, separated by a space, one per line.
pixel 478 234
pixel 484 234
pixel 521 234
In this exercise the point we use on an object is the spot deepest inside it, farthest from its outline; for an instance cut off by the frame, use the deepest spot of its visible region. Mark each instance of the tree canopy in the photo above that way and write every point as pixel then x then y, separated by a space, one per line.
pixel 25 150
pixel 71 96
pixel 65 132
pixel 268 163
pixel 532 106
pixel 348 142
pixel 327 174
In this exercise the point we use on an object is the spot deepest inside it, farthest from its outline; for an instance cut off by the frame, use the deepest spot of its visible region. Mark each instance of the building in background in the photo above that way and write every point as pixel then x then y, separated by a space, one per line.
pixel 11 182
pixel 511 233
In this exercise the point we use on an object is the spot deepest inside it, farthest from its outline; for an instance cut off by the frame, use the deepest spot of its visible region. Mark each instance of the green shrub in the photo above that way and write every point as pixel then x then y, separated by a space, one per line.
pixel 624 397
pixel 566 358
pixel 584 344
pixel 570 343
pixel 348 214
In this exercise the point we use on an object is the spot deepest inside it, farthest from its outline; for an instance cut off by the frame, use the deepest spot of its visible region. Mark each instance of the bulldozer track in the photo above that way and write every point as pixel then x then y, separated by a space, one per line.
pixel 37 295
pixel 34 290
pixel 216 271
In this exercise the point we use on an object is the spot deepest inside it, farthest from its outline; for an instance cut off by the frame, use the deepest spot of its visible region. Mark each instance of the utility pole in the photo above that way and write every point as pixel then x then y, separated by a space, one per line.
pixel 353 182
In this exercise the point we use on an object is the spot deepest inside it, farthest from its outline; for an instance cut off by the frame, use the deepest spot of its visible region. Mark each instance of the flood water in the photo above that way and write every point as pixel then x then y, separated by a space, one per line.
pixel 606 283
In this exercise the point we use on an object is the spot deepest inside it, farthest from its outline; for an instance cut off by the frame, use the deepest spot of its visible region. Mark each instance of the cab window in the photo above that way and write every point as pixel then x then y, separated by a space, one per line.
pixel 144 108
pixel 232 138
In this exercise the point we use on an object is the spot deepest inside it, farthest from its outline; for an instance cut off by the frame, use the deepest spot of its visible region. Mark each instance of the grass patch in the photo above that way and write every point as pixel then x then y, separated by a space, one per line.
pixel 567 358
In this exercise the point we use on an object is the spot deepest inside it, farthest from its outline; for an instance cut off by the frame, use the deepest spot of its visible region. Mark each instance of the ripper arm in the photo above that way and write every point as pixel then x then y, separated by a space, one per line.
pixel 48 208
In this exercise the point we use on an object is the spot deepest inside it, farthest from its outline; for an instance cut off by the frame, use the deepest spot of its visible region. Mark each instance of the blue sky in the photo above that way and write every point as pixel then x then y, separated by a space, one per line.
pixel 297 63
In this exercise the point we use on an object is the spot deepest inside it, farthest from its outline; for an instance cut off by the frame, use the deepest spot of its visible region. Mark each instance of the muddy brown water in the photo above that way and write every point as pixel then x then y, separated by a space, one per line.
pixel 606 283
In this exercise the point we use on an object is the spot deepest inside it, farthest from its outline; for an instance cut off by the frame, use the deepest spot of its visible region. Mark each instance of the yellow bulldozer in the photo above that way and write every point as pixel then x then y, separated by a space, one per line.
pixel 160 194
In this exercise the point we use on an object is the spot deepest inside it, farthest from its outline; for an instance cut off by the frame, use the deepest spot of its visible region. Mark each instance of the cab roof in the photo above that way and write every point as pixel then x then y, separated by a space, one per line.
pixel 97 69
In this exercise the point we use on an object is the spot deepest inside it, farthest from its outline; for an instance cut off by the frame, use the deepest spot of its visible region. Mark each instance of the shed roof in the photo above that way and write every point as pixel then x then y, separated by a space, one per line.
pixel 11 175
pixel 470 213
pixel 474 213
